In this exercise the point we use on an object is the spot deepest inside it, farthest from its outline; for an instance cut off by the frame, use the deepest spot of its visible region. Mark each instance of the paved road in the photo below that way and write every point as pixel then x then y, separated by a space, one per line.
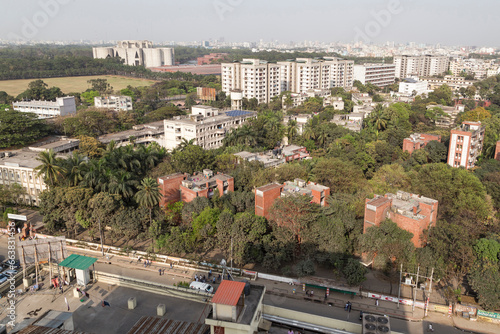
pixel 130 268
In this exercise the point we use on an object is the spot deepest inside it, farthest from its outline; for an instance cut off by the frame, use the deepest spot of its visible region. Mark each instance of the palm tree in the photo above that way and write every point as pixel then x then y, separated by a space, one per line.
pixel 51 168
pixel 148 195
pixel 185 143
pixel 74 169
pixel 121 183
pixel 246 136
pixel 291 130
pixel 377 118
pixel 93 173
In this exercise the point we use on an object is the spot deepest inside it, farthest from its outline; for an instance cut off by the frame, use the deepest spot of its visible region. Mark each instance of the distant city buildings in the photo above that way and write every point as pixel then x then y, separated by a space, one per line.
pixel 184 187
pixel 114 102
pixel 424 65
pixel 207 126
pixel 410 212
pixel 266 195
pixel 380 75
pixel 137 53
pixel 479 68
pixel 466 144
pixel 262 80
pixel 417 141
pixel 62 106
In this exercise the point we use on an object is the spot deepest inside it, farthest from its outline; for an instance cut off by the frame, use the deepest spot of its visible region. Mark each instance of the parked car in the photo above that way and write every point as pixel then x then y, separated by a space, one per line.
pixel 9 272
pixel 8 264
pixel 201 286
pixel 3 278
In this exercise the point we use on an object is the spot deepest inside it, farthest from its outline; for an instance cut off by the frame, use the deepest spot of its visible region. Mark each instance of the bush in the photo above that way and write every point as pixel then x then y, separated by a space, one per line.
pixel 305 268
pixel 354 272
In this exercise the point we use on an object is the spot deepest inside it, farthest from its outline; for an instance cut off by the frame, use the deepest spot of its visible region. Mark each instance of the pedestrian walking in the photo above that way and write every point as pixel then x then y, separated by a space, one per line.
pixel 346 306
pixel 326 296
pixel 159 271
pixel 209 273
pixel 19 230
pixel 170 265
pixel 349 307
pixel 218 278
pixel 376 302
pixel 145 263
pixel 213 280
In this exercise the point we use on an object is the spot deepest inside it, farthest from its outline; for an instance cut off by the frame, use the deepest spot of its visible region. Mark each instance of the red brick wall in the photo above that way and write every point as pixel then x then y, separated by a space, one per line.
pixel 374 218
pixel 409 146
pixel 170 189
pixel 264 203
pixel 220 186
pixel 411 225
pixel 497 151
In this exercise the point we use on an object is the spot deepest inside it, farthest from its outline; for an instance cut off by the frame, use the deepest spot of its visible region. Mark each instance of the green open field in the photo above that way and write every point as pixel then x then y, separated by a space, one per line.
pixel 72 84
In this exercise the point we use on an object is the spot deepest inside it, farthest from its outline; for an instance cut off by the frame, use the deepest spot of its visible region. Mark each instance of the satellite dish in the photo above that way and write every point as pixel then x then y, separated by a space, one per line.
pixel 223 262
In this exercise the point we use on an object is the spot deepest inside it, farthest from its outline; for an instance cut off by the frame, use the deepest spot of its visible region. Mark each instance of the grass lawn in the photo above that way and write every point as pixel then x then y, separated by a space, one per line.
pixel 72 84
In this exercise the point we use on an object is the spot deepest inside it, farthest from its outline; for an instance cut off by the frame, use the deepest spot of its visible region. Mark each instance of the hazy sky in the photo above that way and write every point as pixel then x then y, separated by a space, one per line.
pixel 449 22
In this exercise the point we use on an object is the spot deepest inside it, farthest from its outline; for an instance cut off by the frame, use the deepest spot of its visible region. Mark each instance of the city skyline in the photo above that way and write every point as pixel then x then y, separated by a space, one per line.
pixel 447 23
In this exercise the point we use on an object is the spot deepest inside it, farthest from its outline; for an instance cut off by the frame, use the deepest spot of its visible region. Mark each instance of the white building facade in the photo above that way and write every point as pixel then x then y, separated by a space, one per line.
pixel 466 144
pixel 206 125
pixel 137 53
pixel 424 65
pixel 62 106
pixel 263 81
pixel 380 75
pixel 413 86
pixel 114 102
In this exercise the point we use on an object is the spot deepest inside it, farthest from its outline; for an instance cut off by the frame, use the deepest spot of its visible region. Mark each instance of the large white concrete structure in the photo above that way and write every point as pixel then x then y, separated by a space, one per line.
pixel 380 75
pixel 206 125
pixel 263 81
pixel 413 86
pixel 114 102
pixel 425 65
pixel 62 106
pixel 137 53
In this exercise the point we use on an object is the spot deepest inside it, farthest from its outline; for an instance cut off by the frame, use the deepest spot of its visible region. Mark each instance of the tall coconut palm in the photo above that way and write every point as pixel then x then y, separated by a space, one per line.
pixel 51 167
pixel 291 130
pixel 148 195
pixel 121 183
pixel 74 169
pixel 185 143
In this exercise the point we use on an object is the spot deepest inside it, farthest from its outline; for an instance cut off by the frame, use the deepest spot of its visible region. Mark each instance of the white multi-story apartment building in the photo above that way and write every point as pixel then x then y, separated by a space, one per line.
pixel 455 83
pixel 206 125
pixel 62 106
pixel 137 53
pixel 114 102
pixel 425 65
pixel 466 144
pixel 413 86
pixel 254 77
pixel 19 167
pixel 380 75
pixel 263 81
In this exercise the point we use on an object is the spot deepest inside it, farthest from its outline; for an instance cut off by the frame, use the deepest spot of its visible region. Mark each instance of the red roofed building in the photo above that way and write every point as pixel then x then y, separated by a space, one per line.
pixel 417 141
pixel 265 195
pixel 237 308
pixel 184 187
pixel 410 212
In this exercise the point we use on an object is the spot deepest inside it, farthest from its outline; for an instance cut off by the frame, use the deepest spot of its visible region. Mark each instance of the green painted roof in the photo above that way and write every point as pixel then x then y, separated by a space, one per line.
pixel 78 262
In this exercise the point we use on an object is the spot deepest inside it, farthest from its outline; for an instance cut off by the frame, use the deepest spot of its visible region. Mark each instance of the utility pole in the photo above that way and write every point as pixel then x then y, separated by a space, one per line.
pixel 100 235
pixel 415 290
pixel 429 297
pixel 399 285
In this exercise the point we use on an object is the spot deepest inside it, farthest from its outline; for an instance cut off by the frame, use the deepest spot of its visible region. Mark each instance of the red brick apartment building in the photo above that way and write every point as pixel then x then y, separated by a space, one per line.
pixel 410 212
pixel 184 187
pixel 417 141
pixel 265 195
pixel 207 59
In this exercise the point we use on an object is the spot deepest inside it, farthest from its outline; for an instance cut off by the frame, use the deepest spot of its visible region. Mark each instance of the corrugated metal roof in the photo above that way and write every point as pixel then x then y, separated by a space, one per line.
pixel 78 262
pixel 46 330
pixel 154 325
pixel 228 293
